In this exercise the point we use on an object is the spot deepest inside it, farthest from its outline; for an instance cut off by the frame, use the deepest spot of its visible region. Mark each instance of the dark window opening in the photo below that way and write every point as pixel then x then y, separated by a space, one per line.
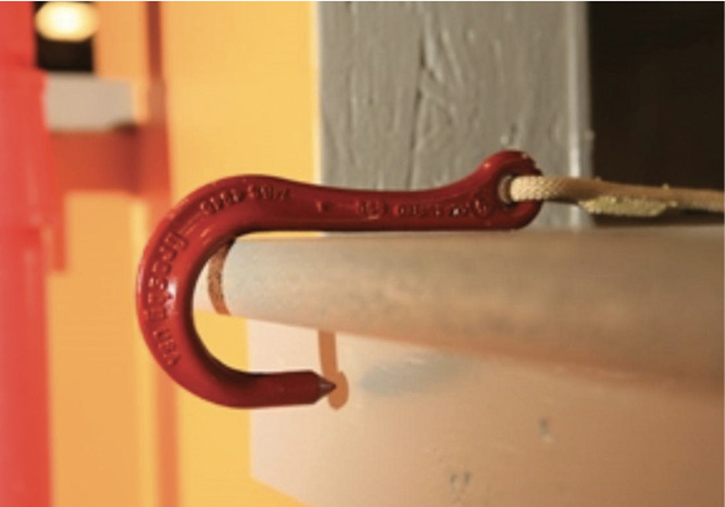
pixel 657 92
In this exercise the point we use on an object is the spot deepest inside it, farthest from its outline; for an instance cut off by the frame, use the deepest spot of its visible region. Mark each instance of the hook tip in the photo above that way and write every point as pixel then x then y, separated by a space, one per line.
pixel 325 387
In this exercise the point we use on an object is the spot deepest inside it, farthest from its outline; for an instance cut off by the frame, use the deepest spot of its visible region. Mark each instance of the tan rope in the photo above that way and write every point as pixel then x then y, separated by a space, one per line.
pixel 604 198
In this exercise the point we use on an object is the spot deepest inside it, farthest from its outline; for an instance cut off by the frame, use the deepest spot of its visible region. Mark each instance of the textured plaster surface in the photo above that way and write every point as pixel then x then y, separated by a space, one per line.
pixel 418 94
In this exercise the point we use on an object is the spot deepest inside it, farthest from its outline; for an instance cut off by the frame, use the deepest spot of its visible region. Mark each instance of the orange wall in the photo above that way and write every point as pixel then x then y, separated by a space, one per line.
pixel 239 97
pixel 96 409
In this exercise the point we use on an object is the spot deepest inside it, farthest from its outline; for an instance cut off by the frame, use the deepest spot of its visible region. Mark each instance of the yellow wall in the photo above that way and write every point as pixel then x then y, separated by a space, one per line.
pixel 96 453
pixel 121 47
pixel 240 98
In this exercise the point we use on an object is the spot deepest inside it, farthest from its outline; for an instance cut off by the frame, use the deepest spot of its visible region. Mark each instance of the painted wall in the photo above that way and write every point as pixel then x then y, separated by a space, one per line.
pixel 418 94
pixel 240 99
pixel 221 89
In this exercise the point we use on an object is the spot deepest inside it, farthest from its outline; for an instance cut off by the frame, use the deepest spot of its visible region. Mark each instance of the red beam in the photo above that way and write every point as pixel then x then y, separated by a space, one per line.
pixel 25 206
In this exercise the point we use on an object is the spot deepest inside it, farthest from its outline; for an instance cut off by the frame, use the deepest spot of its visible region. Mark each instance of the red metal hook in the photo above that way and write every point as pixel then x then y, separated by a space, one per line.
pixel 217 213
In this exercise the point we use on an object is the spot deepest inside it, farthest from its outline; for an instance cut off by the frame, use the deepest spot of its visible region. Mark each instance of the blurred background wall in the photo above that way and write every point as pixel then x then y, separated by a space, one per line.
pixel 215 89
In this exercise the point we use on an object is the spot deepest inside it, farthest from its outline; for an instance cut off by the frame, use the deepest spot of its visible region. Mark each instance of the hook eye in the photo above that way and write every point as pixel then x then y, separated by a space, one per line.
pixel 212 216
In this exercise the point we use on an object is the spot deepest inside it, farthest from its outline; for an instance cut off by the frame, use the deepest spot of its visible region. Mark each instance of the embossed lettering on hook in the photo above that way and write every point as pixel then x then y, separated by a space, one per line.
pixel 217 213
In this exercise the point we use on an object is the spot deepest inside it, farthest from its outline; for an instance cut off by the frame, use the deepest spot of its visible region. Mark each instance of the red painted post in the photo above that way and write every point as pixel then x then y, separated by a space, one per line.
pixel 25 207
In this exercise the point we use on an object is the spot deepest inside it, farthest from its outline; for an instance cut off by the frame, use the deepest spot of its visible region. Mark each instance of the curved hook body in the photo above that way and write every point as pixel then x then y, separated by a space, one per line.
pixel 217 213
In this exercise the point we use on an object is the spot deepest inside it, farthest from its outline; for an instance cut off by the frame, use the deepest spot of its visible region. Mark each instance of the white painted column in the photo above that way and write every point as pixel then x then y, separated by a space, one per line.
pixel 415 95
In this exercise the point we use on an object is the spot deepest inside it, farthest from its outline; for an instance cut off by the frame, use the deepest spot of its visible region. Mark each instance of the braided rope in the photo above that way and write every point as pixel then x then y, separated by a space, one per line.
pixel 601 197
